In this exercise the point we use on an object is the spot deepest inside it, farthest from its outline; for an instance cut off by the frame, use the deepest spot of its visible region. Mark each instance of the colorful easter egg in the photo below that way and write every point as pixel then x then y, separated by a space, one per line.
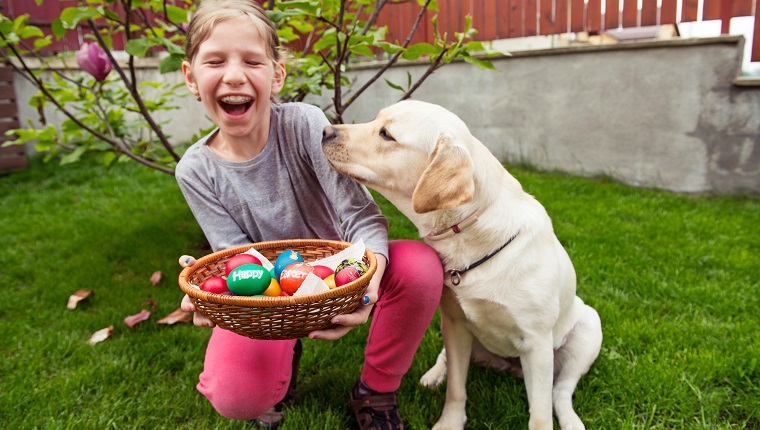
pixel 352 262
pixel 238 260
pixel 293 276
pixel 215 284
pixel 330 281
pixel 248 280
pixel 274 289
pixel 346 275
pixel 322 271
pixel 285 259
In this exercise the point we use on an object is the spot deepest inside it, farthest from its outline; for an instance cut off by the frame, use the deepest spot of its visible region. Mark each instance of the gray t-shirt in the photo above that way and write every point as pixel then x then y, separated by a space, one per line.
pixel 288 191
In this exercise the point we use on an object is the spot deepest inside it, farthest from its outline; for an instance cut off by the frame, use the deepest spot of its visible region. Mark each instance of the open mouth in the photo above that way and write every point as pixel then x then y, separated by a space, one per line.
pixel 235 105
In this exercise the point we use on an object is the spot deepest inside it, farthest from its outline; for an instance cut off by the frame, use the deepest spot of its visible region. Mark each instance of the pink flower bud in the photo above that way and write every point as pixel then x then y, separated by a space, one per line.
pixel 93 60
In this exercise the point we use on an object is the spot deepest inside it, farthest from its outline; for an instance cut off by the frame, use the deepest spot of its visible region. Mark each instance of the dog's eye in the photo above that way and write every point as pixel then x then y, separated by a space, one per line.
pixel 385 135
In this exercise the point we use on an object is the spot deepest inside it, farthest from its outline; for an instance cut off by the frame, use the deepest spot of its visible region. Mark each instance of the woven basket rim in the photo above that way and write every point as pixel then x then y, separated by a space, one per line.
pixel 261 302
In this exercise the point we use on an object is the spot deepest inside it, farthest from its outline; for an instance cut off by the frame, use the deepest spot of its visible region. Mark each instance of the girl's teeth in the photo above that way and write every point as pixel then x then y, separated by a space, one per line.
pixel 236 99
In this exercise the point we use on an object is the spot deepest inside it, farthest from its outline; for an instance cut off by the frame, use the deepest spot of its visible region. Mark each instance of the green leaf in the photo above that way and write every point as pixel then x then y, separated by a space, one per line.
pixel 310 7
pixel 474 46
pixel 416 51
pixel 20 22
pixel 176 14
pixel 41 43
pixel 6 27
pixel 138 47
pixel 328 40
pixel 432 6
pixel 29 32
pixel 362 49
pixel 169 64
pixel 389 48
pixel 483 64
pixel 71 16
pixel 108 158
pixel 301 26
pixel 73 156
pixel 288 34
pixel 394 86
pixel 57 27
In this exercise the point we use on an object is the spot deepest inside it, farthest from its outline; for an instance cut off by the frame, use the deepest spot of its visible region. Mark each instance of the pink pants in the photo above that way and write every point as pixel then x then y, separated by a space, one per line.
pixel 243 377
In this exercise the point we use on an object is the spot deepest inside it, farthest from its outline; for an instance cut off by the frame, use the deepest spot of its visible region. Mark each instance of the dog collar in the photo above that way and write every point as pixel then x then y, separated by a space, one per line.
pixel 456 275
pixel 454 229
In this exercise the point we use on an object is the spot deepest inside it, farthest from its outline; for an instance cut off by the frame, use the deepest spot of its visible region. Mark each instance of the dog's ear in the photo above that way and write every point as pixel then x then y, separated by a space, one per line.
pixel 448 181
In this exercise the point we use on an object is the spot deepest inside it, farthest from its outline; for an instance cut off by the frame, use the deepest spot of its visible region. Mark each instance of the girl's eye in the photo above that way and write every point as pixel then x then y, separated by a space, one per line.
pixel 385 135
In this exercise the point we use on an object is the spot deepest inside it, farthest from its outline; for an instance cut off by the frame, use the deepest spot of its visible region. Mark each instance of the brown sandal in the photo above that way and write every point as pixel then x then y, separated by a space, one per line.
pixel 376 411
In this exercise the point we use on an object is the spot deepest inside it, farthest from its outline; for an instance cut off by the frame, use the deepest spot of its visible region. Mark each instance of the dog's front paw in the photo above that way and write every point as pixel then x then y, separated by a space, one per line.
pixel 449 424
pixel 434 377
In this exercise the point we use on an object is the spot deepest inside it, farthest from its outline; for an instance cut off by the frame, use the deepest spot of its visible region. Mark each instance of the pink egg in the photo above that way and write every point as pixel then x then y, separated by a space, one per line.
pixel 345 276
pixel 239 260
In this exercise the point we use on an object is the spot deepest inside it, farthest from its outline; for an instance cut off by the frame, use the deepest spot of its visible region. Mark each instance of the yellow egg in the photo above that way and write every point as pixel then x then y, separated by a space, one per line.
pixel 330 281
pixel 274 289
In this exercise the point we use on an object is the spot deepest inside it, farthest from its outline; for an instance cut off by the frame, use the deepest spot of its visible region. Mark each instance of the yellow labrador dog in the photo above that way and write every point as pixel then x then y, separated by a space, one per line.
pixel 510 284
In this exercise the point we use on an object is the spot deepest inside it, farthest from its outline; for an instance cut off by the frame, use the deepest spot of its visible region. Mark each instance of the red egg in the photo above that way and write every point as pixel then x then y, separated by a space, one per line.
pixel 215 284
pixel 293 276
pixel 239 260
pixel 323 271
pixel 345 276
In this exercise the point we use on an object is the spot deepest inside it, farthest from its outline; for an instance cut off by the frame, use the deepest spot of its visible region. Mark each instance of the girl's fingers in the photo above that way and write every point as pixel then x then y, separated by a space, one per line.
pixel 186 260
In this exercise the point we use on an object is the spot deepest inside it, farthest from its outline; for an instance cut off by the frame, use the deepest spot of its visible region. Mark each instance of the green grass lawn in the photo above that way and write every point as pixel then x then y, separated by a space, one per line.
pixel 675 279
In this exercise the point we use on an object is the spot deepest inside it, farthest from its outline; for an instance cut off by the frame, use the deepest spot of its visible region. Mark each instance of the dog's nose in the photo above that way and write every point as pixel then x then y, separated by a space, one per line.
pixel 328 133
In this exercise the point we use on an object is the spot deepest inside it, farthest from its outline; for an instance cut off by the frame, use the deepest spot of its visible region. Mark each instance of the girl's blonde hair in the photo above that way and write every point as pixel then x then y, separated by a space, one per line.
pixel 211 12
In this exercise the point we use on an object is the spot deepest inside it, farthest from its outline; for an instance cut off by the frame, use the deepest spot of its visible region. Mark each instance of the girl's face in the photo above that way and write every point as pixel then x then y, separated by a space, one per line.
pixel 235 79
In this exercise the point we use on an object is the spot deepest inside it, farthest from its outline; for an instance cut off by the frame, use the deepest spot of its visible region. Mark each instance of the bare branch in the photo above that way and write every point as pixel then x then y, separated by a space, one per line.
pixel 437 64
pixel 136 96
pixel 393 59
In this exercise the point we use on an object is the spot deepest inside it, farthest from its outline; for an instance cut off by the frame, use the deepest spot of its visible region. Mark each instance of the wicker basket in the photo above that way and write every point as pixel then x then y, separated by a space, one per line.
pixel 275 318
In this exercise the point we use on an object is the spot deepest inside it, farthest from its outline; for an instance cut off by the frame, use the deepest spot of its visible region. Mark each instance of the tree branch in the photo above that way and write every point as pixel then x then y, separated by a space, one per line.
pixel 393 59
pixel 29 75
pixel 136 96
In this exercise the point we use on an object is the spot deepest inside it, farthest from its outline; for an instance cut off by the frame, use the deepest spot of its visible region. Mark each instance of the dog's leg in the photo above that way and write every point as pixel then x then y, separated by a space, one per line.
pixel 436 374
pixel 457 340
pixel 572 361
pixel 538 372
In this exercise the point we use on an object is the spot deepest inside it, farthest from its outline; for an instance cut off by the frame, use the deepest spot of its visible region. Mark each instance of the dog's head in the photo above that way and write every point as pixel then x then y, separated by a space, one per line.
pixel 411 152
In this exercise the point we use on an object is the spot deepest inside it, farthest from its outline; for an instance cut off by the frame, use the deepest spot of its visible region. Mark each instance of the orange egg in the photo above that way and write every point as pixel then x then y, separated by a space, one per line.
pixel 293 276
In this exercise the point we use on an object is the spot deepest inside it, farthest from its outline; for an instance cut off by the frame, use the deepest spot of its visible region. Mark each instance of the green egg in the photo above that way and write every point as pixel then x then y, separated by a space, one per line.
pixel 248 280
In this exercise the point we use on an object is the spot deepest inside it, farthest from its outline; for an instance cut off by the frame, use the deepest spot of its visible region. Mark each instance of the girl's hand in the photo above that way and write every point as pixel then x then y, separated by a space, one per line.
pixel 361 314
pixel 187 304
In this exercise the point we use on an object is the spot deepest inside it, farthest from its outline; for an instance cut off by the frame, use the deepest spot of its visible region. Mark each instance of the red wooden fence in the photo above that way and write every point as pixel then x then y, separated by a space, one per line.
pixel 494 19
pixel 503 19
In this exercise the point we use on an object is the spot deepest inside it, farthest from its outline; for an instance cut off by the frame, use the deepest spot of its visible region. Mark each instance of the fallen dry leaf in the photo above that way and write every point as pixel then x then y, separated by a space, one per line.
pixel 178 316
pixel 155 278
pixel 100 335
pixel 77 297
pixel 132 320
pixel 150 302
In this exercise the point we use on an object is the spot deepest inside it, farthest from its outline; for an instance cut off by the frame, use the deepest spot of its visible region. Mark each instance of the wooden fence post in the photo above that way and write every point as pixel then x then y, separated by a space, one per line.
pixel 11 157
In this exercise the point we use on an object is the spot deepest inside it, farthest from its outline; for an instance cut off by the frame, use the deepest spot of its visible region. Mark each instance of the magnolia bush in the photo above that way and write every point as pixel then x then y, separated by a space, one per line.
pixel 108 113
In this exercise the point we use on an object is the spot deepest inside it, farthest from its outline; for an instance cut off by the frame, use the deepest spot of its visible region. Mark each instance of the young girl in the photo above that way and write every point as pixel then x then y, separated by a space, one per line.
pixel 261 175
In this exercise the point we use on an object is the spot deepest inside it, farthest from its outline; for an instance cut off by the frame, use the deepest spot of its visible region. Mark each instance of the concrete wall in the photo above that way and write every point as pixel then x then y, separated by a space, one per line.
pixel 662 114
pixel 655 114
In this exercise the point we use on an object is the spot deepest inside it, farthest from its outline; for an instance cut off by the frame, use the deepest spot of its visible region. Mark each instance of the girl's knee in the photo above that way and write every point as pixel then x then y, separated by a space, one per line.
pixel 415 265
pixel 234 404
